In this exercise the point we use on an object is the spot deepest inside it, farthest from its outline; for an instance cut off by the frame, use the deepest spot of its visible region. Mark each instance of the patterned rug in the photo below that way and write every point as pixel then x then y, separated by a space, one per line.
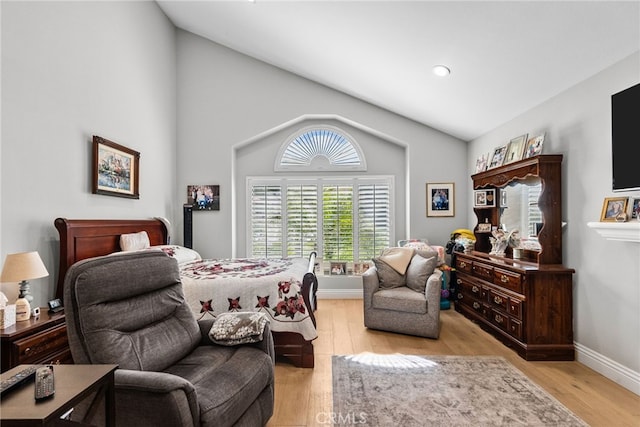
pixel 400 390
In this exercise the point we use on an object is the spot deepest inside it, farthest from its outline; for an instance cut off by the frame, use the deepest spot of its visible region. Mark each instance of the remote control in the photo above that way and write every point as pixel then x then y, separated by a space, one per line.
pixel 18 379
pixel 44 383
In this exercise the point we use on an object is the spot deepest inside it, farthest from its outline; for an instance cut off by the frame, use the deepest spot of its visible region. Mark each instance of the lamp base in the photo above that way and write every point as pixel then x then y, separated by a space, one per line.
pixel 23 310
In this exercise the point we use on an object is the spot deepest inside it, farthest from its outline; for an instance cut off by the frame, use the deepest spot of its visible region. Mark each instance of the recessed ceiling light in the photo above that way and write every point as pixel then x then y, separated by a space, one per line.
pixel 441 70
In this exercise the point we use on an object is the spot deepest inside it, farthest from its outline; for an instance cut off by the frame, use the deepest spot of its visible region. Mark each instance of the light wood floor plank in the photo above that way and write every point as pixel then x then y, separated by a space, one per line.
pixel 304 396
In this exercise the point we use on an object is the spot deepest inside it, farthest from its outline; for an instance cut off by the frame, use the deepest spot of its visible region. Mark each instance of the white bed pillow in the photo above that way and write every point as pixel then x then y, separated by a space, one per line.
pixel 134 241
pixel 180 253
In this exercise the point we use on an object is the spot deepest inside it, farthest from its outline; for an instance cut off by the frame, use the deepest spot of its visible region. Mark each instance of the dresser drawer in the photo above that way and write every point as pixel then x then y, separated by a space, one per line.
pixel 499 300
pixel 474 289
pixel 515 308
pixel 499 319
pixel 508 279
pixel 41 346
pixel 484 271
pixel 515 329
pixel 463 264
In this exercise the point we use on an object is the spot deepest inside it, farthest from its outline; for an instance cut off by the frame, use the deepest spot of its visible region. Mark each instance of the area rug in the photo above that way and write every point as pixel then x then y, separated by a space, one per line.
pixel 402 390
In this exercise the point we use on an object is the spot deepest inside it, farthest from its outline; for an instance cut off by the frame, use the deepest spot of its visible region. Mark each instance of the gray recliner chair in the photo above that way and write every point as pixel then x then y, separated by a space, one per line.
pixel 129 309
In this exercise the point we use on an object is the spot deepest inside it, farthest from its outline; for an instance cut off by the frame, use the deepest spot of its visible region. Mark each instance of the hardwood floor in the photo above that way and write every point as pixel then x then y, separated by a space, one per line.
pixel 303 396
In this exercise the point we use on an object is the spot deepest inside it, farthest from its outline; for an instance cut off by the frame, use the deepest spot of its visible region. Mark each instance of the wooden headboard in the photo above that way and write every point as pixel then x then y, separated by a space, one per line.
pixel 88 238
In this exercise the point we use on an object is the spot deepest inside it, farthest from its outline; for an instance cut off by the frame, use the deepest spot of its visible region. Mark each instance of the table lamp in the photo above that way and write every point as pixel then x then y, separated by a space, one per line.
pixel 22 267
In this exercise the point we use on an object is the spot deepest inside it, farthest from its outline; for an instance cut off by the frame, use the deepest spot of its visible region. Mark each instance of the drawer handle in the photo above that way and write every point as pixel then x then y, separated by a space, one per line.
pixel 459 282
pixel 460 296
pixel 504 278
pixel 476 305
pixel 27 351
pixel 475 289
pixel 463 264
pixel 513 307
pixel 499 318
pixel 498 300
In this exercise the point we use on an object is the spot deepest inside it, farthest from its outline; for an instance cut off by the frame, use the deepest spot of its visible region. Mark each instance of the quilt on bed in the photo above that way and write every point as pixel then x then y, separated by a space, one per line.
pixel 270 286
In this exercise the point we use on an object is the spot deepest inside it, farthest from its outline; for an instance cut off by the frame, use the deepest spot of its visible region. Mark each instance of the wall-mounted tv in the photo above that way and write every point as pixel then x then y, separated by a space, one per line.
pixel 625 138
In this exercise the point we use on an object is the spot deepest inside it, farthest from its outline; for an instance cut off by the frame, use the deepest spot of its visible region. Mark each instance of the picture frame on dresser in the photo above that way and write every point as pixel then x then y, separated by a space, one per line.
pixel 484 198
pixel 533 147
pixel 497 159
pixel 515 149
pixel 116 169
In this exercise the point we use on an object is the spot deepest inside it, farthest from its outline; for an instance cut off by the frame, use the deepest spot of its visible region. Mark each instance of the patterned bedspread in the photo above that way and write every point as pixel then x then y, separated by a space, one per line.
pixel 271 286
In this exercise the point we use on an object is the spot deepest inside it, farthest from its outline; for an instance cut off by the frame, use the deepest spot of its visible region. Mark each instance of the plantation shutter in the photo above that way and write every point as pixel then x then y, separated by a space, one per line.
pixel 337 222
pixel 374 225
pixel 302 220
pixel 266 221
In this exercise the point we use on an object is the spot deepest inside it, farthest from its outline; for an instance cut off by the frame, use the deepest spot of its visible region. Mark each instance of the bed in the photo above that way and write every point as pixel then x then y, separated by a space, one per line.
pixel 213 286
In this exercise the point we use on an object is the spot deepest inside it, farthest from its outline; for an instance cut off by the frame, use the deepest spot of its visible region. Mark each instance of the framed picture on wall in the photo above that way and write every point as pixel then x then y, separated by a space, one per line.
pixel 204 197
pixel 115 169
pixel 440 199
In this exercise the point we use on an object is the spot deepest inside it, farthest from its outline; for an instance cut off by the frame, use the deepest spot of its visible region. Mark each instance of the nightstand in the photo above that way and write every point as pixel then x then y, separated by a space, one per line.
pixel 39 340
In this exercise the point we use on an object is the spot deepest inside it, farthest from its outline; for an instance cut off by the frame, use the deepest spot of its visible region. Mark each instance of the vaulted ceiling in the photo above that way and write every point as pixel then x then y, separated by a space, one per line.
pixel 505 57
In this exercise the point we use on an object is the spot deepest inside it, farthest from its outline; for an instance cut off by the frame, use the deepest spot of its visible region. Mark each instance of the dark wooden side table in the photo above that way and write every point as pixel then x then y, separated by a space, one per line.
pixel 73 383
pixel 39 340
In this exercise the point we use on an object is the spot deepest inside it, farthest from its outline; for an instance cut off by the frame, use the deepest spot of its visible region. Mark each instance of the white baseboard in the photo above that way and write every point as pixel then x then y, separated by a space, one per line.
pixel 616 372
pixel 339 293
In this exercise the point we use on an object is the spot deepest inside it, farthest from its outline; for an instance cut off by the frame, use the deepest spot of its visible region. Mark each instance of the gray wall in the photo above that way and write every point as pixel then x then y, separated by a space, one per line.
pixel 227 101
pixel 607 280
pixel 71 70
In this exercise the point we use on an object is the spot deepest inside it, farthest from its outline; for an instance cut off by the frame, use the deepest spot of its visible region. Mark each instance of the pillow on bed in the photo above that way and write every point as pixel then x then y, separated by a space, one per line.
pixel 180 253
pixel 134 241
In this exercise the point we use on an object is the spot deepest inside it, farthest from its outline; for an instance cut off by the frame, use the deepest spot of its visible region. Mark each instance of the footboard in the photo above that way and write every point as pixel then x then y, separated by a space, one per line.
pixel 310 287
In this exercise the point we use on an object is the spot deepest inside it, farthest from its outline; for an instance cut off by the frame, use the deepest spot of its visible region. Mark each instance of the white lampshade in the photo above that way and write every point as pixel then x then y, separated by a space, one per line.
pixel 23 266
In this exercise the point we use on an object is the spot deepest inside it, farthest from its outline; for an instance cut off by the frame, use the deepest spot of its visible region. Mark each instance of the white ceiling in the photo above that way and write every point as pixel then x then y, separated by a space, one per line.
pixel 505 56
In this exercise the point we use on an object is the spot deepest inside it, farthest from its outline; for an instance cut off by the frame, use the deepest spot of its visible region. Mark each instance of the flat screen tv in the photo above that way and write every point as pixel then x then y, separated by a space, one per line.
pixel 625 138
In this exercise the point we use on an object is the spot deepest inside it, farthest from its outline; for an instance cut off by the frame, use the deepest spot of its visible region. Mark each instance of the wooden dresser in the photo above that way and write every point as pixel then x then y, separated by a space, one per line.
pixel 527 303
pixel 38 340
pixel 526 306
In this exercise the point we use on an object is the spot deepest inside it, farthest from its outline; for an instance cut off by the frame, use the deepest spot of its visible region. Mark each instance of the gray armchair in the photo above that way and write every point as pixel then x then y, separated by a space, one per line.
pixel 130 310
pixel 404 309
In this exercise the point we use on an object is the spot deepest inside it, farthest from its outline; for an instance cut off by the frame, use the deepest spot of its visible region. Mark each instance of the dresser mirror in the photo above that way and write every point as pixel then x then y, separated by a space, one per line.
pixel 519 210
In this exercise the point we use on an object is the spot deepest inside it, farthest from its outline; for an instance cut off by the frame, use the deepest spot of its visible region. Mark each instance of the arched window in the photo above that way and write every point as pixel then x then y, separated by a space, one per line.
pixel 320 148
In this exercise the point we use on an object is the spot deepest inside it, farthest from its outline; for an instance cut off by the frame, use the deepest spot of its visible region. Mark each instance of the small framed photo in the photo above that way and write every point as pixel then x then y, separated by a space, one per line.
pixel 338 268
pixel 204 197
pixel 497 159
pixel 484 198
pixel 533 147
pixel 482 162
pixel 634 208
pixel 115 169
pixel 515 149
pixel 484 227
pixel 359 268
pixel 440 199
pixel 614 209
